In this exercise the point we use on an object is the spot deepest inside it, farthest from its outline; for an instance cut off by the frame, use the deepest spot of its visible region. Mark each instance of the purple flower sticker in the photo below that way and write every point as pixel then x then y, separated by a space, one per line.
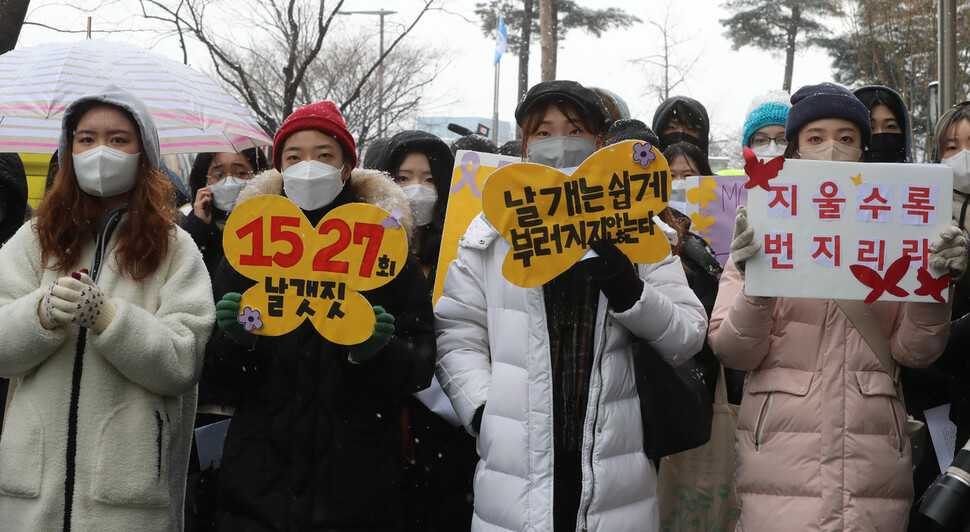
pixel 394 220
pixel 250 319
pixel 643 154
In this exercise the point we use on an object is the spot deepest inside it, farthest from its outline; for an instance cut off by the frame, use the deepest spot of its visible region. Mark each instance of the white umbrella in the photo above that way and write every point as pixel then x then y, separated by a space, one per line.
pixel 193 114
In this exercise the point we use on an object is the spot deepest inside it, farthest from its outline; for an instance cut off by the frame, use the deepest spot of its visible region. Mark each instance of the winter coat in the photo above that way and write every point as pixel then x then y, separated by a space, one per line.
pixel 441 161
pixel 13 195
pixel 315 440
pixel 493 350
pixel 820 442
pixel 134 386
pixel 208 236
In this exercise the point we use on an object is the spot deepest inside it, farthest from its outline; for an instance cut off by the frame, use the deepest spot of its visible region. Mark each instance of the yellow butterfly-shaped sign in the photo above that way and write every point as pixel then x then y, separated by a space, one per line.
pixel 703 193
pixel 549 218
pixel 312 273
pixel 701 222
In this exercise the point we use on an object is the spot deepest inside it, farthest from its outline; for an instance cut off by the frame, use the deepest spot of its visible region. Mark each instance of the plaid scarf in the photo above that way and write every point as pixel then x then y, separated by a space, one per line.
pixel 571 300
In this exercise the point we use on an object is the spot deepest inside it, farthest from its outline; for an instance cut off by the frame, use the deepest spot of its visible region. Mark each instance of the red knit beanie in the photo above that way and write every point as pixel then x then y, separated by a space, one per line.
pixel 323 117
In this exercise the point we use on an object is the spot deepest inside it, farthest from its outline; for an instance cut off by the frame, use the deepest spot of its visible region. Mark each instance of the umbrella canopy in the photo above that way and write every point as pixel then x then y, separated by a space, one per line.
pixel 193 114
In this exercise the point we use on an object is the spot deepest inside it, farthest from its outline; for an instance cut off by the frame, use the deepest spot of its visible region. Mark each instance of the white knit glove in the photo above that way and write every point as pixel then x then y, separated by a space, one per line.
pixel 949 252
pixel 77 300
pixel 743 247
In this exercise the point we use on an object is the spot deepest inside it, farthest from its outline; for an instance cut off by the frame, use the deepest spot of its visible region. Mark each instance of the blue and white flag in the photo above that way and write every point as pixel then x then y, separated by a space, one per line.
pixel 502 41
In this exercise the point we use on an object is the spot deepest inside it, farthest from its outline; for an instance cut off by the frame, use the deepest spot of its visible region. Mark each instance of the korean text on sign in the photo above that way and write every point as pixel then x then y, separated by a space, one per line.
pixel 835 229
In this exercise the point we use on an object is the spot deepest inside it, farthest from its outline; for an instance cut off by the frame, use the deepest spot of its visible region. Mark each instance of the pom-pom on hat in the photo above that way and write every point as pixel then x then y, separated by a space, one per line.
pixel 321 116
pixel 826 100
pixel 769 109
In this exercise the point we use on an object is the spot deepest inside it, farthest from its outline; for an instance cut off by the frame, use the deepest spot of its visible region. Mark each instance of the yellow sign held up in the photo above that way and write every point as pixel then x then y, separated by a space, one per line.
pixel 550 217
pixel 312 273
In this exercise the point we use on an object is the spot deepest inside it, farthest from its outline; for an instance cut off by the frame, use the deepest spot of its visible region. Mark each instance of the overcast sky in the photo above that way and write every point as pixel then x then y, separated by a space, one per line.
pixel 724 80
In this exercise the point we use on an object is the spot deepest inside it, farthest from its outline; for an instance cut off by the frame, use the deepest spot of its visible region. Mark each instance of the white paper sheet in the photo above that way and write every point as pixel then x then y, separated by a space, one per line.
pixel 943 433
pixel 209 440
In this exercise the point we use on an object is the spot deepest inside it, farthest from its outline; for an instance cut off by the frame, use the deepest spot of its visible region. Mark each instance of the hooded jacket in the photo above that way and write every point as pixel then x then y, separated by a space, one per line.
pixel 13 195
pixel 867 93
pixel 98 433
pixel 441 161
pixel 494 350
pixel 695 113
pixel 315 441
pixel 820 442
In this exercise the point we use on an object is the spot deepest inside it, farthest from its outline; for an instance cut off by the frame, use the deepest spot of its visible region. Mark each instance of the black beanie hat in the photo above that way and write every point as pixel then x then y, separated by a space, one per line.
pixel 826 100
pixel 572 92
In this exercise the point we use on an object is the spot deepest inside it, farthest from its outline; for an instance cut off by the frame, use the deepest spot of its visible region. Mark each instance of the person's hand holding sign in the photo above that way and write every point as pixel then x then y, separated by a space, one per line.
pixel 615 275
pixel 383 330
pixel 227 318
pixel 744 246
pixel 949 252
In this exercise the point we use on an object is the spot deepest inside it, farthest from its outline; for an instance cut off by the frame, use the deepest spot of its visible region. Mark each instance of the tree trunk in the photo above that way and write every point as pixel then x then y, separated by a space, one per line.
pixel 547 40
pixel 12 15
pixel 796 19
pixel 555 36
pixel 525 42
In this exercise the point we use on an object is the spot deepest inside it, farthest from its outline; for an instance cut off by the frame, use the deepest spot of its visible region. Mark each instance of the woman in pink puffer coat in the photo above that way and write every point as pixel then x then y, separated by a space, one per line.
pixel 821 441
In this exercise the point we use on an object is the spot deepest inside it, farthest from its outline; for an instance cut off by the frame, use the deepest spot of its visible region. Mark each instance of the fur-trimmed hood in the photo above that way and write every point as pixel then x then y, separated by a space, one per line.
pixel 370 186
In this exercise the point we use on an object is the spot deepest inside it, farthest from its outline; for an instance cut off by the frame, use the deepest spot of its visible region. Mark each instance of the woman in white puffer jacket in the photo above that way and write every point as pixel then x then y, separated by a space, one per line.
pixel 544 376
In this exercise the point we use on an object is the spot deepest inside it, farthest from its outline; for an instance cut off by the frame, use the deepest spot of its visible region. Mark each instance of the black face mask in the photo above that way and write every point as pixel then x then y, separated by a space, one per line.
pixel 670 139
pixel 888 148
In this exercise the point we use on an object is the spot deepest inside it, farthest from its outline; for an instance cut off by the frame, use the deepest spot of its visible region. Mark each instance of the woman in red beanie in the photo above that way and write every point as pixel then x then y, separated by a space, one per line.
pixel 315 441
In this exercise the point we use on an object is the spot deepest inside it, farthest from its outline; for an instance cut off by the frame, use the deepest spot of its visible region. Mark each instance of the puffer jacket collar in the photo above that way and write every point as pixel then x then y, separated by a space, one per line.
pixel 369 186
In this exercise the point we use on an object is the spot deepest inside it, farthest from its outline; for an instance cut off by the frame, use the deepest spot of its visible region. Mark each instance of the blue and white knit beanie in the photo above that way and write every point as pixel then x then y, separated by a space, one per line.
pixel 827 100
pixel 770 109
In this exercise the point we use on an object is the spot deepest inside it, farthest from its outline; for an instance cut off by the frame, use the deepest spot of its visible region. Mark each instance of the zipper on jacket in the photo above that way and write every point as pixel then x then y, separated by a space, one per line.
pixel 158 444
pixel 899 438
pixel 762 417
pixel 596 413
pixel 101 244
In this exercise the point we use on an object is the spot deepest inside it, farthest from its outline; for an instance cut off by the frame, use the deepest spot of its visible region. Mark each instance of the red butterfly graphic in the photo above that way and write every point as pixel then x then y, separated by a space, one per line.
pixel 758 172
pixel 931 286
pixel 871 278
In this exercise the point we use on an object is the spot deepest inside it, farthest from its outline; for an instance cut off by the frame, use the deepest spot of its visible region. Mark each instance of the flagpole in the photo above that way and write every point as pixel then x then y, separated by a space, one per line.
pixel 498 66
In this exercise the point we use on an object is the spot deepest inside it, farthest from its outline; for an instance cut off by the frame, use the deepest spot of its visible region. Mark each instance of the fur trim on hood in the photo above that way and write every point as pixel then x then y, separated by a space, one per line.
pixel 370 186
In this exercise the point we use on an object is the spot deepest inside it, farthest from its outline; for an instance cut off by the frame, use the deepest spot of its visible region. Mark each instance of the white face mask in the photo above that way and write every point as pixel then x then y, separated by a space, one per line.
pixel 831 150
pixel 561 152
pixel 961 175
pixel 225 192
pixel 768 151
pixel 422 199
pixel 678 196
pixel 105 172
pixel 312 184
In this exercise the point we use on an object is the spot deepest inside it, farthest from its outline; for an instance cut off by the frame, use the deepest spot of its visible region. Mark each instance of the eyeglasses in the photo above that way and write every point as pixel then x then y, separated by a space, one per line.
pixel 758 141
pixel 237 176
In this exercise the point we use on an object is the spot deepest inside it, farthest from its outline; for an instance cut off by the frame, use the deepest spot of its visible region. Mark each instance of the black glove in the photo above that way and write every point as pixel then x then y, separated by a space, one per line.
pixel 615 275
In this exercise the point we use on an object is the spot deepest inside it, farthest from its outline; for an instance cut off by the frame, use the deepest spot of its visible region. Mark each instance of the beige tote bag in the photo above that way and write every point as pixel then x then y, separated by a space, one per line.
pixel 696 487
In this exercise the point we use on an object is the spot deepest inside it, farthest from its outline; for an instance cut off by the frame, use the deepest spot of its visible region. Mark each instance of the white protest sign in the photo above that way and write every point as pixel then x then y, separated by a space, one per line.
pixel 849 230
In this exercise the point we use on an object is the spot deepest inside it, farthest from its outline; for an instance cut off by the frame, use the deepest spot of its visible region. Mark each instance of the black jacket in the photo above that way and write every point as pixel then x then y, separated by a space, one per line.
pixel 208 236
pixel 315 441
pixel 13 195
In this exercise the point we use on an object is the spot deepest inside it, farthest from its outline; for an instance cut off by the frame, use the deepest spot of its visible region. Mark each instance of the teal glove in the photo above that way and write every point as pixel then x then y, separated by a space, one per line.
pixel 227 314
pixel 383 329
